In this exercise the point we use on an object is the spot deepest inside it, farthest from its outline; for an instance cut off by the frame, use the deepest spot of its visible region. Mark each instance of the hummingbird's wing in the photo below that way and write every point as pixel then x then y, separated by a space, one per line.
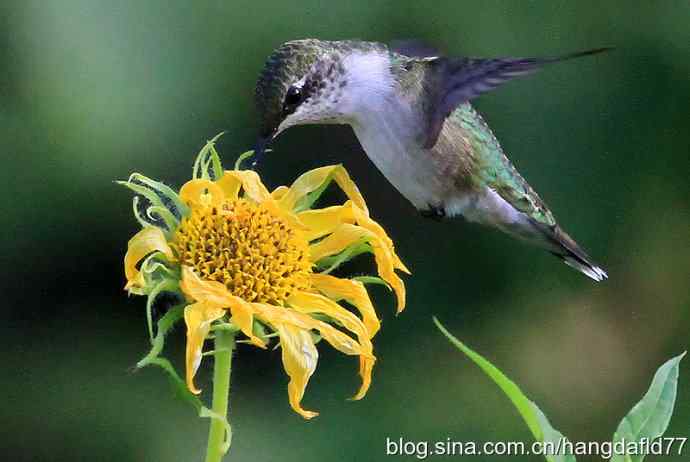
pixel 453 81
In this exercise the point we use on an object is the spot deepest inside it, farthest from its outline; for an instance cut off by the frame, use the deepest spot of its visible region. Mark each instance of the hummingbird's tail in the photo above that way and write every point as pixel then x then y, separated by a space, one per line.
pixel 565 248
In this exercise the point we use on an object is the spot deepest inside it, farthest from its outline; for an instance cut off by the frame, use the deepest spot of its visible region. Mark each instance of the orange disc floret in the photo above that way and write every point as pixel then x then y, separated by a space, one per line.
pixel 253 251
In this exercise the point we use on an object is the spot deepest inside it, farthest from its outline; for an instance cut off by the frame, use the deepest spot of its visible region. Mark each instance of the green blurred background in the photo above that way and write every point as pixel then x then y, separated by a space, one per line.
pixel 93 90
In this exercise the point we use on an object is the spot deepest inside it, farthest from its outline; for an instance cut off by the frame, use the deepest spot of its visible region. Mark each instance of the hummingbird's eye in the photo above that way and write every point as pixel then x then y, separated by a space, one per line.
pixel 293 96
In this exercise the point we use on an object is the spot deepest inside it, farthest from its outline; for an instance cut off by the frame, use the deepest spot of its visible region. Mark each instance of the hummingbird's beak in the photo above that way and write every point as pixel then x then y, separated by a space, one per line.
pixel 260 149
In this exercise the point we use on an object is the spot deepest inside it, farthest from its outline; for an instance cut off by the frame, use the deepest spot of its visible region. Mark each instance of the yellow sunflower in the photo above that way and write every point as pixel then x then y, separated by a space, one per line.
pixel 259 262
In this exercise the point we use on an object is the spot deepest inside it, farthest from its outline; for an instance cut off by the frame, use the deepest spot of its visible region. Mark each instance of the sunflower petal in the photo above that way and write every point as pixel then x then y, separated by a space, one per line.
pixel 353 292
pixel 318 179
pixel 307 303
pixel 314 303
pixel 254 189
pixel 149 239
pixel 216 294
pixel 198 318
pixel 275 315
pixel 299 359
pixel 321 222
pixel 230 185
pixel 362 218
pixel 201 192
pixel 366 366
pixel 279 192
pixel 346 235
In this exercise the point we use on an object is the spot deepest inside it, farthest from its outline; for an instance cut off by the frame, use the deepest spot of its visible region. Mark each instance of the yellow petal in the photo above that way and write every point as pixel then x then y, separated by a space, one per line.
pixel 230 185
pixel 198 318
pixel 307 303
pixel 314 303
pixel 149 239
pixel 201 192
pixel 254 189
pixel 275 315
pixel 352 292
pixel 346 235
pixel 321 222
pixel 216 294
pixel 365 221
pixel 279 192
pixel 299 359
pixel 366 366
pixel 314 179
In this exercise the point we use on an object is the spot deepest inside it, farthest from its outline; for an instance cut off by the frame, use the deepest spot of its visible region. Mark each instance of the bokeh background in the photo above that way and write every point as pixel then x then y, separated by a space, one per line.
pixel 93 90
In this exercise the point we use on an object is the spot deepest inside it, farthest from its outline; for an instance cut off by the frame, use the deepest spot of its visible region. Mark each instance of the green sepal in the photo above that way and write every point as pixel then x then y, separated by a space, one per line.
pixel 163 285
pixel 373 280
pixel 153 357
pixel 330 263
pixel 164 204
pixel 207 165
pixel 242 157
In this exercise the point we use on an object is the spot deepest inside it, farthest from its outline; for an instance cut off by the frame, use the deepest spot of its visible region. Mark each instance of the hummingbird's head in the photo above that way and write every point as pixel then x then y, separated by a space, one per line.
pixel 306 82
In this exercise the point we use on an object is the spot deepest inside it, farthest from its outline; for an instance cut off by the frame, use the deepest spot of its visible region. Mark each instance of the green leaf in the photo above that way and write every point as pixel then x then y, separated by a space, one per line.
pixel 534 418
pixel 649 418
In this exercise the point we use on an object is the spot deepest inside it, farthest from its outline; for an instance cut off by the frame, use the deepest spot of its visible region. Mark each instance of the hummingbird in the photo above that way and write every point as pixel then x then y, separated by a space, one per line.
pixel 411 112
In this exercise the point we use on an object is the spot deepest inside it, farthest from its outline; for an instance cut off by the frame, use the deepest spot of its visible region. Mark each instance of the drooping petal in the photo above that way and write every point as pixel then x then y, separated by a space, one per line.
pixel 305 302
pixel 279 192
pixel 321 222
pixel 201 192
pixel 254 189
pixel 346 235
pixel 314 180
pixel 147 240
pixel 278 315
pixel 353 292
pixel 230 185
pixel 216 294
pixel 198 318
pixel 366 366
pixel 365 221
pixel 314 303
pixel 299 359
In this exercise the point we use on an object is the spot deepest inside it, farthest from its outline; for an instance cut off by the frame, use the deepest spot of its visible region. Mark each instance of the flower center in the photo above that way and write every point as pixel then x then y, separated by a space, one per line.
pixel 255 253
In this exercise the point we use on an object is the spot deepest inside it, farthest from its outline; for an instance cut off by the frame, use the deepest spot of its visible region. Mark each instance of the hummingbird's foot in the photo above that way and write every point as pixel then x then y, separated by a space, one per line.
pixel 433 212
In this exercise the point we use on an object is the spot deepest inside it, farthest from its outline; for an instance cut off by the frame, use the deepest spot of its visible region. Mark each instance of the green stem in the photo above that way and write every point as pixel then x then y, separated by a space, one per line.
pixel 224 344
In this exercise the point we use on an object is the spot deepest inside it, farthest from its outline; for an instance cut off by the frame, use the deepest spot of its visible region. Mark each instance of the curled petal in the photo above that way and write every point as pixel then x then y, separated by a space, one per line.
pixel 149 239
pixel 321 222
pixel 346 235
pixel 314 180
pixel 352 292
pixel 304 302
pixel 254 189
pixel 198 318
pixel 230 185
pixel 314 303
pixel 299 359
pixel 365 221
pixel 216 294
pixel 279 192
pixel 366 366
pixel 201 192
pixel 275 315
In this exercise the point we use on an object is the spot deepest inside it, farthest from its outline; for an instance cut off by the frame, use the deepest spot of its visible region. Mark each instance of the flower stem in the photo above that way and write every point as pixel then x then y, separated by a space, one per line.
pixel 224 344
